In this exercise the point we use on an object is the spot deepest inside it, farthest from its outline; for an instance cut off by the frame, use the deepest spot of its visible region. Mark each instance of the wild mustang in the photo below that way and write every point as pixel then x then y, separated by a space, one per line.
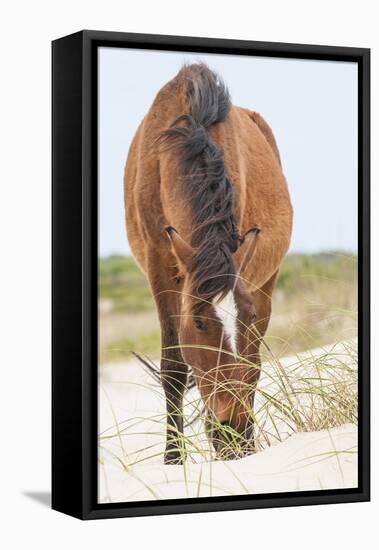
pixel 203 178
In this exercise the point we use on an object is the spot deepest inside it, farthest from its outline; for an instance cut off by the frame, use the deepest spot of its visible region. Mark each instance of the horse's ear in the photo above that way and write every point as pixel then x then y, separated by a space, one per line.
pixel 247 247
pixel 182 250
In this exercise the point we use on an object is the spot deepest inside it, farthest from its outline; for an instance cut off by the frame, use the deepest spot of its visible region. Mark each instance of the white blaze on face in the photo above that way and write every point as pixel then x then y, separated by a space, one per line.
pixel 226 311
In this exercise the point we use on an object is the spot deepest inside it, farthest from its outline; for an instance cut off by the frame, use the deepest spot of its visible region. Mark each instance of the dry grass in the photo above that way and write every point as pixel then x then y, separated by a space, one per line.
pixel 310 392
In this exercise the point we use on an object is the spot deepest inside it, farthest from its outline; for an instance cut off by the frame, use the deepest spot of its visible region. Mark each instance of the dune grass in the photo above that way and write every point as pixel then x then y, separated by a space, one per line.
pixel 315 391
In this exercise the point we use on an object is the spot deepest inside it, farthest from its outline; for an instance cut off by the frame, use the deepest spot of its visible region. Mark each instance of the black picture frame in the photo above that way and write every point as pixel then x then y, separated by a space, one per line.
pixel 74 273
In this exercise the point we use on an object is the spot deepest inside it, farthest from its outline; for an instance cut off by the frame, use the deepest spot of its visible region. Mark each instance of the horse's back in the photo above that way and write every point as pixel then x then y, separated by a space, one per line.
pixel 266 131
pixel 253 165
pixel 252 162
pixel 145 219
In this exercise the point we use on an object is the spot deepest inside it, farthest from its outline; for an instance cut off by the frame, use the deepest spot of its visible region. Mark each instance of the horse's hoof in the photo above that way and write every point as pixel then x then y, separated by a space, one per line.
pixel 174 458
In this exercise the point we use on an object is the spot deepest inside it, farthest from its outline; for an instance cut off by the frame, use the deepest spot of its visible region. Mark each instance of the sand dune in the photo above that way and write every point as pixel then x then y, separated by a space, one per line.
pixel 132 437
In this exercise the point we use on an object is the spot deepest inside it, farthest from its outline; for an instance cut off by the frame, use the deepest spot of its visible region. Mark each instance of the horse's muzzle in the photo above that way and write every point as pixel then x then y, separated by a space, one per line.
pixel 228 443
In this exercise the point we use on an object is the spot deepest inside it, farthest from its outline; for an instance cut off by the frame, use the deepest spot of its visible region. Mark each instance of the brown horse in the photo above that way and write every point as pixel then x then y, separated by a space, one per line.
pixel 203 178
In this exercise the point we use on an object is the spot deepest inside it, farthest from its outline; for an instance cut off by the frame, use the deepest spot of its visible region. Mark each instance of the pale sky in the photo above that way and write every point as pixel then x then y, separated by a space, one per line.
pixel 311 107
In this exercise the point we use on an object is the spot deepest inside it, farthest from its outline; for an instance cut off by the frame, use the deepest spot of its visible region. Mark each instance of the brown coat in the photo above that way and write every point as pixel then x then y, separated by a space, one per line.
pixel 156 197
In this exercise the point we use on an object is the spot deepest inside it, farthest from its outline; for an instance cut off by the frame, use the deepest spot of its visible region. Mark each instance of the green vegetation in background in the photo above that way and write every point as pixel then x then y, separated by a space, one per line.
pixel 306 270
pixel 314 303
pixel 125 286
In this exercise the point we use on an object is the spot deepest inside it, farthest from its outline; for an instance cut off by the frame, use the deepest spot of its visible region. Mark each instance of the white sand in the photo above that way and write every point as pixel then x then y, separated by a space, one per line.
pixel 132 428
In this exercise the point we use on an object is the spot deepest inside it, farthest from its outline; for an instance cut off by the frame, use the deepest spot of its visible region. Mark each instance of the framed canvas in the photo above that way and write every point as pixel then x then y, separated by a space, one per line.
pixel 210 274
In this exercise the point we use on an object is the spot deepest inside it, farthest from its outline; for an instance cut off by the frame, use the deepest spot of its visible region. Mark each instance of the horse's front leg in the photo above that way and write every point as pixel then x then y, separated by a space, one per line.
pixel 174 381
pixel 262 302
pixel 174 370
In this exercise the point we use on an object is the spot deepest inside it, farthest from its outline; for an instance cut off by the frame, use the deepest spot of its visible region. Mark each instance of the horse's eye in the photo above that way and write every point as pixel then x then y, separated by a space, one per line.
pixel 199 323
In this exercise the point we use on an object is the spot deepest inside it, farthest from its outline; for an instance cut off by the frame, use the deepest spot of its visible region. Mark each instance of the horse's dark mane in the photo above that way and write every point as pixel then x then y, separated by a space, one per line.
pixel 205 184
